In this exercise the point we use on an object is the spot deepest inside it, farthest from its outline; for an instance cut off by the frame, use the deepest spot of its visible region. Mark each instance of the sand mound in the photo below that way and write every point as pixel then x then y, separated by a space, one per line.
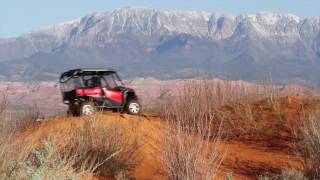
pixel 246 156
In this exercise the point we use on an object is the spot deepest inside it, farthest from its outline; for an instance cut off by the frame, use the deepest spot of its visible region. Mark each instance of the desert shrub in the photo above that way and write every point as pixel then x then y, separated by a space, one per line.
pixel 11 122
pixel 190 147
pixel 219 93
pixel 3 107
pixel 195 104
pixel 3 102
pixel 153 104
pixel 197 112
pixel 309 146
pixel 292 175
pixel 11 154
pixel 188 154
pixel 27 118
pixel 44 163
pixel 284 175
pixel 86 149
pixel 230 103
pixel 264 177
pixel 32 114
pixel 109 148
pixel 229 176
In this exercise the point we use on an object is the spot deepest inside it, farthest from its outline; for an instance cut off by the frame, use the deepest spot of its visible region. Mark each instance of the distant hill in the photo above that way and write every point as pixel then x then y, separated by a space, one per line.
pixel 169 45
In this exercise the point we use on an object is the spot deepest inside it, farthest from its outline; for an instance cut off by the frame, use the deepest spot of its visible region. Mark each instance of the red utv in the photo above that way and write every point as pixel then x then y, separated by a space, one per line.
pixel 87 90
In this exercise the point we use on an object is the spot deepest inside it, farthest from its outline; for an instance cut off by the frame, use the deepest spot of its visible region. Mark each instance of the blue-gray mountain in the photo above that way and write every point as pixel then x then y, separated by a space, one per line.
pixel 169 44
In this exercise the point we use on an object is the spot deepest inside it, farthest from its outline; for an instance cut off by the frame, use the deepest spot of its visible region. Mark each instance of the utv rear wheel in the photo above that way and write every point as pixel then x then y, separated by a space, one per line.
pixel 133 107
pixel 87 109
pixel 73 111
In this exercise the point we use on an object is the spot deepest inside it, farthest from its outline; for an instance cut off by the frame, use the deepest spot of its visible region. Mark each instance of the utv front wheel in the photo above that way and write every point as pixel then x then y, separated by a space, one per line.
pixel 87 109
pixel 133 107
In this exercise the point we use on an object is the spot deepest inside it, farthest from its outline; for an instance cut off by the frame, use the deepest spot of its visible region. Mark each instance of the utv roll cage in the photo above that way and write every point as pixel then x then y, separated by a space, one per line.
pixel 89 71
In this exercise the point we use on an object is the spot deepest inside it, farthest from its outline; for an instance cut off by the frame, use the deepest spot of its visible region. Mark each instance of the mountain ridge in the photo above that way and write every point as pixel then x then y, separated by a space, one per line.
pixel 149 42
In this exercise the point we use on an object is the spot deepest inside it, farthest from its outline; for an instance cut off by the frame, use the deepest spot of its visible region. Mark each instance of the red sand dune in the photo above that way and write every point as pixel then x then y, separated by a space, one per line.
pixel 246 156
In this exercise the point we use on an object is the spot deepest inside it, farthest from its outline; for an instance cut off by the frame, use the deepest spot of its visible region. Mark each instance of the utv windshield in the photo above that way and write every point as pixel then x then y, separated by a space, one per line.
pixel 111 80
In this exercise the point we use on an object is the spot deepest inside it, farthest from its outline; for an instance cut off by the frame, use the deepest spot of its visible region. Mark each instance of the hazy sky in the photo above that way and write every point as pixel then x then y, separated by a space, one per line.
pixel 19 16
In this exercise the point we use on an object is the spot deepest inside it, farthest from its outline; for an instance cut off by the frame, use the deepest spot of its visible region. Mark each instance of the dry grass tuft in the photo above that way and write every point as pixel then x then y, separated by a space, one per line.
pixel 190 155
pixel 284 175
pixel 11 154
pixel 190 148
pixel 109 147
pixel 230 104
pixel 85 149
pixel 11 122
pixel 44 163
pixel 309 146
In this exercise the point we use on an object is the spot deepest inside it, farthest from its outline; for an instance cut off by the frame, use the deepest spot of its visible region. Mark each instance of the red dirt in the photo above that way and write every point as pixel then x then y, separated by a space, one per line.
pixel 247 155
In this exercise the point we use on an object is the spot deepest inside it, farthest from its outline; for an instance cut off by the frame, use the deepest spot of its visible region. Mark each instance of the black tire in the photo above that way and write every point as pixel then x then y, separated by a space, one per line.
pixel 87 109
pixel 133 107
pixel 73 111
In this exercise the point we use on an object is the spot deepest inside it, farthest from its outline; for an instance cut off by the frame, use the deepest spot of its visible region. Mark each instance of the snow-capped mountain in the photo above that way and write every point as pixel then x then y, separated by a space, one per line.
pixel 171 44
